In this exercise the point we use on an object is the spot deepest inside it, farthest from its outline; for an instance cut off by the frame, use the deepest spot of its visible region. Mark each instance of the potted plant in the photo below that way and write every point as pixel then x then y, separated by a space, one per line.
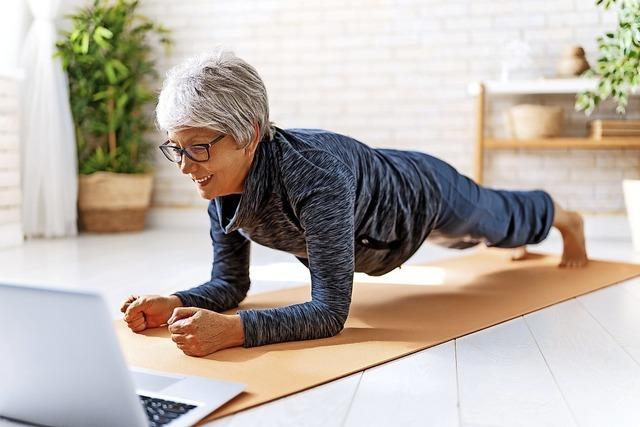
pixel 110 69
pixel 619 61
pixel 618 74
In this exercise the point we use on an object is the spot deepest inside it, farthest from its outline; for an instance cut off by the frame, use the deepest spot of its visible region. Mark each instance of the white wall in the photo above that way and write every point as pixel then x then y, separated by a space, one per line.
pixel 10 193
pixel 394 74
pixel 13 26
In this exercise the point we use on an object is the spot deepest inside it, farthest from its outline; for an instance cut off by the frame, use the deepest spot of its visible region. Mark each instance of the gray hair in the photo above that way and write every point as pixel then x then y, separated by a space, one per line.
pixel 218 91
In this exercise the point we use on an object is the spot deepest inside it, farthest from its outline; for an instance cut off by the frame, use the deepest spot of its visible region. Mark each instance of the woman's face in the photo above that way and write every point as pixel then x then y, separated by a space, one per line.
pixel 228 165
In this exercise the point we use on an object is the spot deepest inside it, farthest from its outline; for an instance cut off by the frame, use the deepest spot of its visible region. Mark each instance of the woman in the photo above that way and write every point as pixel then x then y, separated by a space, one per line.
pixel 336 204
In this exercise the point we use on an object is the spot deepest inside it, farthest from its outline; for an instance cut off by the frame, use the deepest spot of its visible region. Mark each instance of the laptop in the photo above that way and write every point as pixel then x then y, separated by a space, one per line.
pixel 61 365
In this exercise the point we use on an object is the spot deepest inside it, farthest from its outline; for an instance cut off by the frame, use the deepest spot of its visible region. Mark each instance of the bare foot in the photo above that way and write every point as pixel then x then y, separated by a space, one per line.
pixel 519 253
pixel 574 253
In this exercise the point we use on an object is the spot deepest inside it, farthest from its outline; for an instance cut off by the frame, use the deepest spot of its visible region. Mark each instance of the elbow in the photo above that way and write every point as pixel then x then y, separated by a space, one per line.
pixel 335 329
pixel 239 295
pixel 232 293
pixel 335 322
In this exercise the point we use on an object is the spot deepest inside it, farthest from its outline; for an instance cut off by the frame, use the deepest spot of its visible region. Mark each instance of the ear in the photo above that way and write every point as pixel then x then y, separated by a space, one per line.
pixel 251 148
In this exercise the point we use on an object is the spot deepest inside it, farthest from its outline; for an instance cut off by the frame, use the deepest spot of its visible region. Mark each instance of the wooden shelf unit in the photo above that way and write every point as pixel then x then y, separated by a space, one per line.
pixel 562 143
pixel 539 86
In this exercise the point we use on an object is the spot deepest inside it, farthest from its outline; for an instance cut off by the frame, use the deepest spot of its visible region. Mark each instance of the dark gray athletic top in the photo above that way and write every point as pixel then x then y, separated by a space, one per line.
pixel 336 204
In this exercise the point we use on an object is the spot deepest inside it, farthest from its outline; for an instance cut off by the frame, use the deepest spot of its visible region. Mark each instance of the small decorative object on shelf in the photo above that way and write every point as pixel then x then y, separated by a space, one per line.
pixel 603 128
pixel 529 121
pixel 516 62
pixel 572 62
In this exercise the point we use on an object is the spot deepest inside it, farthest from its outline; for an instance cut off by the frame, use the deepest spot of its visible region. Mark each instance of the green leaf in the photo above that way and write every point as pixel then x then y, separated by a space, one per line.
pixel 122 101
pixel 104 32
pixel 110 73
pixel 74 35
pixel 100 156
pixel 100 95
pixel 85 43
pixel 122 69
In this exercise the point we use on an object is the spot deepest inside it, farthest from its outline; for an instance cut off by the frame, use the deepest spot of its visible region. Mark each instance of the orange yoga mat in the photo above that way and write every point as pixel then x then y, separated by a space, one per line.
pixel 386 321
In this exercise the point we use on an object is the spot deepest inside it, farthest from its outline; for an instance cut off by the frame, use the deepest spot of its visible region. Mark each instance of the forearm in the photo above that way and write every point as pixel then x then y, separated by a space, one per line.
pixel 214 295
pixel 292 323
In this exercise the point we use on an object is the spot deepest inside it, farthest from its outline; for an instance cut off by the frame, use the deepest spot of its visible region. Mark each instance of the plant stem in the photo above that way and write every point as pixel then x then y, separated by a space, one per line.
pixel 112 131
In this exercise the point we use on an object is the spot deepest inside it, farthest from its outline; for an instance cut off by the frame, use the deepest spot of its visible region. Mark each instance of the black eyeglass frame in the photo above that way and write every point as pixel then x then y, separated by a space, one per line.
pixel 164 147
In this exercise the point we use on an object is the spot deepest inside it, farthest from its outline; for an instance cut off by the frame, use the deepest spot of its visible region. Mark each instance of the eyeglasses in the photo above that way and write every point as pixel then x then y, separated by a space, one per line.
pixel 196 152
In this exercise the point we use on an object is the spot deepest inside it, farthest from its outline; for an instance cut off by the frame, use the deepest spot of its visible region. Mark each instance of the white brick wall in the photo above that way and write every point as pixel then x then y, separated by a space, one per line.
pixel 10 194
pixel 394 73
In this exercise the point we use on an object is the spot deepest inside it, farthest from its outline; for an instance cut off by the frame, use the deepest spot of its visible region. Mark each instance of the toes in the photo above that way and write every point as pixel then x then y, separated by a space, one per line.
pixel 573 263
pixel 519 253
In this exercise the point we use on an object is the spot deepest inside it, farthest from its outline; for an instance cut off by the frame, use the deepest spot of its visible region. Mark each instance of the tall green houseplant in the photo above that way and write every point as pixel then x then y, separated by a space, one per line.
pixel 618 67
pixel 108 59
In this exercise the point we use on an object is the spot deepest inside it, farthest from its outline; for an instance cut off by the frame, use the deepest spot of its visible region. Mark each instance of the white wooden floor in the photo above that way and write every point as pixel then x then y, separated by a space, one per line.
pixel 575 363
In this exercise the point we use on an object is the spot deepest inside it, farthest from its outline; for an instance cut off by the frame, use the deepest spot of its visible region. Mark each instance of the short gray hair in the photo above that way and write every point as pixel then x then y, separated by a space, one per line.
pixel 218 91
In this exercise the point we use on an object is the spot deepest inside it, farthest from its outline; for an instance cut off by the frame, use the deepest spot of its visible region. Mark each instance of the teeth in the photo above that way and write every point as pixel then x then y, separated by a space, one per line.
pixel 201 180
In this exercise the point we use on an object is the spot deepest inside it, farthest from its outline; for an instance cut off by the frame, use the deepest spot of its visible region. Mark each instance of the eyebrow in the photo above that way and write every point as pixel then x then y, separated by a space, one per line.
pixel 196 137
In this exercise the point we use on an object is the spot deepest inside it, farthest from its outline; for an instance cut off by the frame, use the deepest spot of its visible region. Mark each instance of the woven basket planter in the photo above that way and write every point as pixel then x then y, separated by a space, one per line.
pixel 529 121
pixel 113 202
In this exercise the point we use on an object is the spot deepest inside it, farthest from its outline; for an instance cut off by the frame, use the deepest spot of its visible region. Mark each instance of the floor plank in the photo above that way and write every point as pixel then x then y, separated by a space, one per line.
pixel 618 311
pixel 419 389
pixel 322 406
pixel 631 286
pixel 504 380
pixel 598 379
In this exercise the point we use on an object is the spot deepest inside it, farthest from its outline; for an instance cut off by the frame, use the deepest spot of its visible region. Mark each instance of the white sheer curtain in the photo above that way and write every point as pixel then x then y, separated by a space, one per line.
pixel 49 164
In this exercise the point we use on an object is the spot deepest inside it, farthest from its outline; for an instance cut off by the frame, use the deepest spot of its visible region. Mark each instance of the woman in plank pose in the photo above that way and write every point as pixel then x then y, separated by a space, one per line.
pixel 336 204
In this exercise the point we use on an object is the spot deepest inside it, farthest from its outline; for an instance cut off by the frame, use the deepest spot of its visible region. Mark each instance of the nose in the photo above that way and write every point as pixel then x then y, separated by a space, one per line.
pixel 186 165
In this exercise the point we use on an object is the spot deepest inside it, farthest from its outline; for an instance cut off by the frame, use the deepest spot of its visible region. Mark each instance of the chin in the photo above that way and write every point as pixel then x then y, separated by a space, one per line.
pixel 208 195
pixel 211 193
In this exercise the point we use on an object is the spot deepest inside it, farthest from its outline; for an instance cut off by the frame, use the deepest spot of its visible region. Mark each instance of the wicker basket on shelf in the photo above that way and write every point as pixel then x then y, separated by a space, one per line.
pixel 529 121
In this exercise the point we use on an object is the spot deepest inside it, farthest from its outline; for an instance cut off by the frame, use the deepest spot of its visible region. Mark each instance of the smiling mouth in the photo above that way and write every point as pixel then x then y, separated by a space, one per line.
pixel 202 181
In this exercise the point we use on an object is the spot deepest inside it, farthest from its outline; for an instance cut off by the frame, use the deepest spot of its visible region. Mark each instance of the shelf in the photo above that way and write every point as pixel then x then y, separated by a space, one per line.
pixel 563 143
pixel 483 90
pixel 536 86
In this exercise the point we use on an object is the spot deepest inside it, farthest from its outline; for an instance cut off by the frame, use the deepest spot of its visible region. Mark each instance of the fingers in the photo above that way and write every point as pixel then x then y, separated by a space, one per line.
pixel 186 345
pixel 134 315
pixel 134 310
pixel 193 353
pixel 175 328
pixel 191 350
pixel 127 302
pixel 179 327
pixel 182 313
pixel 178 338
pixel 138 325
pixel 181 339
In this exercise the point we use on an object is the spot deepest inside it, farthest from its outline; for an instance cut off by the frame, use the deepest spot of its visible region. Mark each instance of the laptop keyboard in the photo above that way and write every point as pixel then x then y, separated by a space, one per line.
pixel 161 412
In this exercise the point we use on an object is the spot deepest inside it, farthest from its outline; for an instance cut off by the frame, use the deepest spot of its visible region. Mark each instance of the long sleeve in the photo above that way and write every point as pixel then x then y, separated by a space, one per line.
pixel 229 281
pixel 323 202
